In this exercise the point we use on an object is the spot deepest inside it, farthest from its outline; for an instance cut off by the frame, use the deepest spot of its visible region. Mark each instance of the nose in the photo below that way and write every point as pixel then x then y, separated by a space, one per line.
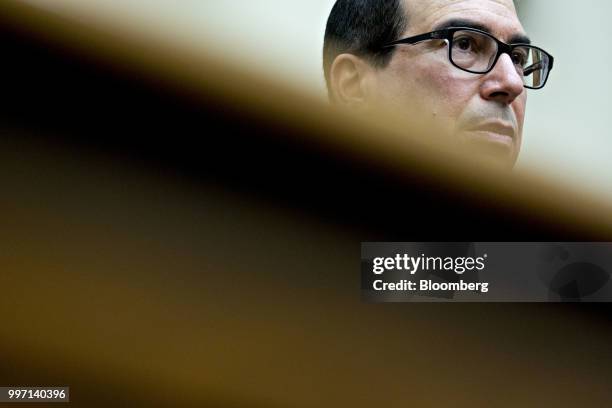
pixel 503 83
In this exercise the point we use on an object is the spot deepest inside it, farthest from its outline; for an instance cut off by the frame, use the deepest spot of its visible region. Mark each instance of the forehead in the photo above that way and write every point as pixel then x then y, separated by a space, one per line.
pixel 499 16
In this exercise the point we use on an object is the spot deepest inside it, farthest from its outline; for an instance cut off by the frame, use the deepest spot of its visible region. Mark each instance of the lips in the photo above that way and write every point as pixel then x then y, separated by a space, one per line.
pixel 495 128
pixel 491 132
pixel 494 138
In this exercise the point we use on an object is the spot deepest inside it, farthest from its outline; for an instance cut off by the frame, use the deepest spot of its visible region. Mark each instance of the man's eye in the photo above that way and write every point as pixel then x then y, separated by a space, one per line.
pixel 519 58
pixel 464 44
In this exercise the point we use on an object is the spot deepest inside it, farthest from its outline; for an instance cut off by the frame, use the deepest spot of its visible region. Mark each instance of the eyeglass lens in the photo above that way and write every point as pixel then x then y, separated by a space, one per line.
pixel 476 52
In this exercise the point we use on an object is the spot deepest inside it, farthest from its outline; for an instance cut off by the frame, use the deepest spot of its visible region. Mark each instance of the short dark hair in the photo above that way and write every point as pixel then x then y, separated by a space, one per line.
pixel 362 27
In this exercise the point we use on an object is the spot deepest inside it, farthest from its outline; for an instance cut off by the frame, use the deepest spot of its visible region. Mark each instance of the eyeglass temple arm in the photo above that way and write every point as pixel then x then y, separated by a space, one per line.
pixel 415 39
pixel 538 65
pixel 532 68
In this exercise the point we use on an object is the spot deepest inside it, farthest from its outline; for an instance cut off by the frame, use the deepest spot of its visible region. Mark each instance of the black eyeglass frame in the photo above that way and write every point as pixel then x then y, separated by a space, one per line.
pixel 447 35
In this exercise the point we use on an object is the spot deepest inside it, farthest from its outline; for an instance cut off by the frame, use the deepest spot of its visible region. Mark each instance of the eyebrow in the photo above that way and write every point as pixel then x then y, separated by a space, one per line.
pixel 458 22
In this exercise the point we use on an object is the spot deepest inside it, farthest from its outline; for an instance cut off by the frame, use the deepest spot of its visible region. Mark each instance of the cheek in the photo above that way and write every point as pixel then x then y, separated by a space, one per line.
pixel 432 84
pixel 449 91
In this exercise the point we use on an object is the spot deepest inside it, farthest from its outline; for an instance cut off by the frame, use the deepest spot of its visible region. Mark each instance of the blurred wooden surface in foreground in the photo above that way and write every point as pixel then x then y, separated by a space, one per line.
pixel 177 232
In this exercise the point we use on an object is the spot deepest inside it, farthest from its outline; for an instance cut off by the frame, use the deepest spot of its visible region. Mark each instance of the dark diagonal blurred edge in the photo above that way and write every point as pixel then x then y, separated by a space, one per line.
pixel 283 129
pixel 303 122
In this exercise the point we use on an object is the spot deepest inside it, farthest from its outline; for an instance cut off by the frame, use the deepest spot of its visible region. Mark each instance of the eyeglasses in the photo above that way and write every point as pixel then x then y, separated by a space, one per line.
pixel 477 52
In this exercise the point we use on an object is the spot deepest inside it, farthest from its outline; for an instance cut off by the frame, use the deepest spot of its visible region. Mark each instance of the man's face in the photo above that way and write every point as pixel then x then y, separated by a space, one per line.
pixel 484 109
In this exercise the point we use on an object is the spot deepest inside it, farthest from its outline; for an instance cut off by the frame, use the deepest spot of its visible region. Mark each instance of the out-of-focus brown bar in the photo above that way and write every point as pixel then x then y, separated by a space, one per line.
pixel 177 231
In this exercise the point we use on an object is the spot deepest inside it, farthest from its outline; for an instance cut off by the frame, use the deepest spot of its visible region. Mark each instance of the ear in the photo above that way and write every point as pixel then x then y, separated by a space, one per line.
pixel 349 77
